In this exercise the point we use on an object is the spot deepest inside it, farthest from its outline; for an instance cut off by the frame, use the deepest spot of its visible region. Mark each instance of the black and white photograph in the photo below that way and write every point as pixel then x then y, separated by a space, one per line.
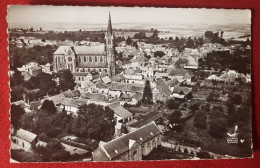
pixel 101 84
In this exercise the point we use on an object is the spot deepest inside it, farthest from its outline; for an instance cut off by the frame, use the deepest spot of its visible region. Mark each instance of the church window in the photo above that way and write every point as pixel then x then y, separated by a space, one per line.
pixel 95 59
pixel 90 59
pixel 85 60
pixel 79 59
pixel 101 59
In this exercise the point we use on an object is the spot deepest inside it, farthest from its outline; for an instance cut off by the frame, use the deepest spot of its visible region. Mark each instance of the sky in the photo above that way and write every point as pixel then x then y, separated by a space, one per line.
pixel 51 14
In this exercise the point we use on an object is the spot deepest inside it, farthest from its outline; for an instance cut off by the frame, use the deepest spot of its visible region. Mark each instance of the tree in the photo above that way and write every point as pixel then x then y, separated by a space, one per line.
pixel 190 43
pixel 135 45
pixel 48 106
pixel 46 84
pixel 66 79
pixel 16 78
pixel 43 40
pixel 218 128
pixel 194 107
pixel 16 114
pixel 175 121
pixel 31 29
pixel 173 104
pixel 221 34
pixel 235 99
pixel 209 34
pixel 147 94
pixel 200 119
pixel 159 54
pixel 140 35
pixel 181 61
pixel 213 96
pixel 155 34
pixel 128 41
pixel 95 122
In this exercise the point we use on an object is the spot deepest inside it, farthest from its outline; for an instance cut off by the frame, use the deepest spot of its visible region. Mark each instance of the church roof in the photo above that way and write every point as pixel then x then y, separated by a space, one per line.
pixel 62 50
pixel 90 50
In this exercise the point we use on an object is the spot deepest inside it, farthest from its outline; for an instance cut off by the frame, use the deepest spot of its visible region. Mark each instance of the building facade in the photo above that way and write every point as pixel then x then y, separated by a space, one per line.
pixel 84 59
pixel 130 147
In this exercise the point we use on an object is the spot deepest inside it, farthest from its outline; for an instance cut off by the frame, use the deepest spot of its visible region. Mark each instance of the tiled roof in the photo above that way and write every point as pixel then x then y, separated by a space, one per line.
pixel 87 84
pixel 138 96
pixel 117 78
pixel 127 87
pixel 68 94
pixel 119 110
pixel 96 96
pixel 72 102
pixel 25 135
pixel 62 50
pixel 172 82
pixel 90 50
pixel 106 79
pixel 162 87
pixel 184 90
pixel 123 143
pixel 178 72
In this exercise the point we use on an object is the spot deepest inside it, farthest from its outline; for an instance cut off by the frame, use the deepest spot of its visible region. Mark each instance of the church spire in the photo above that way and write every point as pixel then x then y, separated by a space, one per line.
pixel 109 27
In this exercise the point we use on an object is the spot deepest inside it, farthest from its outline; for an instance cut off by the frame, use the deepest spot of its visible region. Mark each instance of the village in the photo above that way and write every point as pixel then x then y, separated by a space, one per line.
pixel 128 98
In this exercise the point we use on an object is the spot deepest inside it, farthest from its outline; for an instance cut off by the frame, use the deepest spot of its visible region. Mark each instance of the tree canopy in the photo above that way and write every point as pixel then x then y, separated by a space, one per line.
pixel 16 114
pixel 48 106
pixel 147 94
pixel 66 80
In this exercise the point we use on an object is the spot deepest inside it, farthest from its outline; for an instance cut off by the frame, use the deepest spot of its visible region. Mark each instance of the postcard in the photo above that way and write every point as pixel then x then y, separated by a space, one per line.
pixel 129 83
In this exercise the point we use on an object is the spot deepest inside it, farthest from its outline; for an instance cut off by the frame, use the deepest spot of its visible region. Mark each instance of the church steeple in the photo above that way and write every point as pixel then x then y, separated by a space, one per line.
pixel 109 27
pixel 110 49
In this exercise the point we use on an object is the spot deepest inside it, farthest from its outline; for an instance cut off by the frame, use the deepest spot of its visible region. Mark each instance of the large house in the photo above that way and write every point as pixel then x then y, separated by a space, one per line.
pixel 100 58
pixel 23 139
pixel 131 146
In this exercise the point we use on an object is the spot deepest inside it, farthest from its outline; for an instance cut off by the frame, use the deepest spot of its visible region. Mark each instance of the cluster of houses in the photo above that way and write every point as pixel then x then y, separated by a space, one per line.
pixel 33 69
pixel 230 77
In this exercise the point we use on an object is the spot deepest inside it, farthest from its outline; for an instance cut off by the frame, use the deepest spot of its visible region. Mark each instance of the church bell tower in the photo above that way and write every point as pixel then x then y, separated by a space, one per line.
pixel 110 49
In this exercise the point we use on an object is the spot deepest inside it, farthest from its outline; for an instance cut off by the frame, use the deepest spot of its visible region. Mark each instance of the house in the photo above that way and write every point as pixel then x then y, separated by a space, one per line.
pixel 23 105
pixel 106 80
pixel 147 71
pixel 172 83
pixel 182 75
pixel 87 86
pixel 32 67
pixel 191 65
pixel 131 146
pixel 159 75
pixel 231 76
pixel 138 78
pixel 82 76
pixel 161 92
pixel 181 93
pixel 72 105
pixel 24 139
pixel 121 114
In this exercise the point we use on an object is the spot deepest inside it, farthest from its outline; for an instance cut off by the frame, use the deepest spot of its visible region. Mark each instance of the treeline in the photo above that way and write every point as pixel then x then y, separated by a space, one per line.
pixel 239 61
pixel 39 54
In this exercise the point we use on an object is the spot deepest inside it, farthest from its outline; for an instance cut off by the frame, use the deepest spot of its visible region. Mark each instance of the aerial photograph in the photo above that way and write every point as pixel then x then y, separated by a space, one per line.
pixel 100 84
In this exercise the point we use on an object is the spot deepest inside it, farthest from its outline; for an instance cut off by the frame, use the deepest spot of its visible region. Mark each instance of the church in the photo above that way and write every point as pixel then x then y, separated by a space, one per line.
pixel 80 60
